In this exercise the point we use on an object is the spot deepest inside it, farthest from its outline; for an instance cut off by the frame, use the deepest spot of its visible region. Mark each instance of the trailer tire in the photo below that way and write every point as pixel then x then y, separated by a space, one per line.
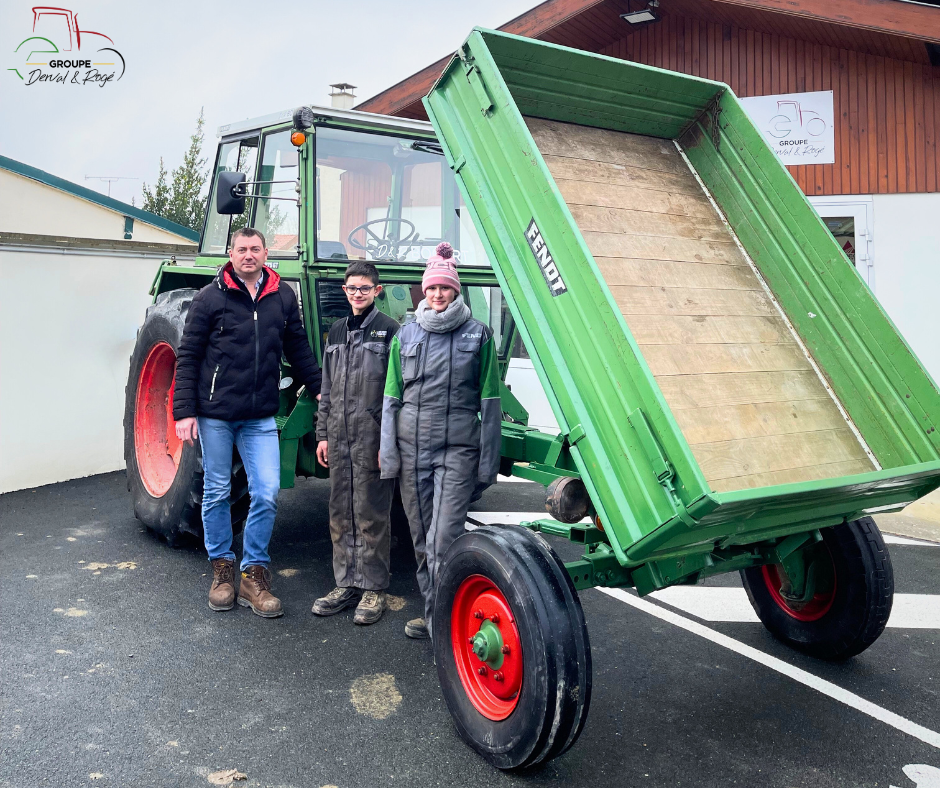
pixel 849 616
pixel 537 709
pixel 164 475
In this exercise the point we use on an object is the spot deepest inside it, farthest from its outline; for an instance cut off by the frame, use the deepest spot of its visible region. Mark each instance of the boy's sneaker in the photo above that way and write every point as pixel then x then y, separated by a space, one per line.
pixel 337 600
pixel 370 607
pixel 417 628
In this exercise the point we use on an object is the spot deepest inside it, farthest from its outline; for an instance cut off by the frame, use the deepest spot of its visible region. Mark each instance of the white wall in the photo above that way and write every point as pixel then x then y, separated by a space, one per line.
pixel 67 329
pixel 526 387
pixel 907 269
pixel 30 207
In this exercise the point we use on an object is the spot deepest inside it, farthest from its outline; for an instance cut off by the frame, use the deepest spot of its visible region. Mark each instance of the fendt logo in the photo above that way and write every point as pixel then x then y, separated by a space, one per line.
pixel 60 53
pixel 547 265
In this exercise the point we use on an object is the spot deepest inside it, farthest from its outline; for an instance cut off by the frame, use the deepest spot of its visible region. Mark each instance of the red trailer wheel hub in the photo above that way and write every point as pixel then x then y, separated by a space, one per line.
pixel 813 610
pixel 487 647
pixel 156 446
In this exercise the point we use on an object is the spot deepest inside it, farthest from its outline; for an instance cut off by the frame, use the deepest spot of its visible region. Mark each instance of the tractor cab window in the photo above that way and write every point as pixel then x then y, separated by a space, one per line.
pixel 278 219
pixel 390 199
pixel 237 156
pixel 399 301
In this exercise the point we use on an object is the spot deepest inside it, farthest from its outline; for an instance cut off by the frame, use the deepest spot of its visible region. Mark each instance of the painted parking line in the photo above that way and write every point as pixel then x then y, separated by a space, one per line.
pixel 797 674
pixel 731 605
pixel 514 518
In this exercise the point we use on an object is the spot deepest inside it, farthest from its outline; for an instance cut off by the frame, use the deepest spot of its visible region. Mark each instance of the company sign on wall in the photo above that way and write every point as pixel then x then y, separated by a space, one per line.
pixel 798 126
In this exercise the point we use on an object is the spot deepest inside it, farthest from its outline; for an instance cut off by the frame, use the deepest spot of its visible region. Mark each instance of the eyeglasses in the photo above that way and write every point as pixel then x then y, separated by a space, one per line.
pixel 364 289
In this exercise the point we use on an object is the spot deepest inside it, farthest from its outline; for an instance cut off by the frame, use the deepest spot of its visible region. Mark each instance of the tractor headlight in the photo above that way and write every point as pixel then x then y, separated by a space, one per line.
pixel 303 118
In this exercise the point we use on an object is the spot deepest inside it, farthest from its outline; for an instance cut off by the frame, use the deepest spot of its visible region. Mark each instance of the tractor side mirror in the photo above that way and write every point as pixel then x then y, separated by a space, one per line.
pixel 230 193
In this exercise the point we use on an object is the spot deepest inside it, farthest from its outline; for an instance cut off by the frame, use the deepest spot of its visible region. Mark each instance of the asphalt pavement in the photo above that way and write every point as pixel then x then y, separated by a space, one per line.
pixel 116 673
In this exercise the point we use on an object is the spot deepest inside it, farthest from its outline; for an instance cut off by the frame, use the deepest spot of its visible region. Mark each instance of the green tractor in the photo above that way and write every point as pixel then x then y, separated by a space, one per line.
pixel 326 187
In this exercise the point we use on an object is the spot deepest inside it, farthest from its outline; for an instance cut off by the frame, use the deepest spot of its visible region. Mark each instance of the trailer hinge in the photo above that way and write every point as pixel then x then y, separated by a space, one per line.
pixel 661 467
pixel 459 164
pixel 714 111
pixel 479 88
pixel 575 434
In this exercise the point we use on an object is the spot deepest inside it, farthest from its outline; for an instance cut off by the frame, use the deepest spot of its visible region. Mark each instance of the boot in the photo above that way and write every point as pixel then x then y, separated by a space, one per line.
pixel 222 590
pixel 255 592
pixel 370 609
pixel 336 601
pixel 417 629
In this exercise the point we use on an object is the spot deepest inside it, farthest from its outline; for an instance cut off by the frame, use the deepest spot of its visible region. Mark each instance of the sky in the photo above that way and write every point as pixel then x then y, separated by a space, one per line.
pixel 233 59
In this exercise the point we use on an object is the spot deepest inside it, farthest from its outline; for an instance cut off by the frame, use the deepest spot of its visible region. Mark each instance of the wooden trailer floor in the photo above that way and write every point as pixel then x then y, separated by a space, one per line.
pixel 744 394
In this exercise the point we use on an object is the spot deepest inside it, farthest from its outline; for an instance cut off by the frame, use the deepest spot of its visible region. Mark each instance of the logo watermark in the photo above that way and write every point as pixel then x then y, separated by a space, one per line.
pixel 60 53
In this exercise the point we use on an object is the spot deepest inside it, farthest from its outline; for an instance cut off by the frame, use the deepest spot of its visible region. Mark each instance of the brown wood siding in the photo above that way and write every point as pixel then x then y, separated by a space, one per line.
pixel 887 110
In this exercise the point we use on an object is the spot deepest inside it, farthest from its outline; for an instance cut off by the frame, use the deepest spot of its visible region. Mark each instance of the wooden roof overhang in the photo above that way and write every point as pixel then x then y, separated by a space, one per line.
pixel 887 28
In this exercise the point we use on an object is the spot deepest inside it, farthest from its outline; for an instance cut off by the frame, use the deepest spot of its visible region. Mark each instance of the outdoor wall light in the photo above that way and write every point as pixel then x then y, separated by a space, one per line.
pixel 640 17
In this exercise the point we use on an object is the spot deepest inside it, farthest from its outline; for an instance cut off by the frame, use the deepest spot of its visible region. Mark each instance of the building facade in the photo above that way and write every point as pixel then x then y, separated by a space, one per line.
pixel 880 194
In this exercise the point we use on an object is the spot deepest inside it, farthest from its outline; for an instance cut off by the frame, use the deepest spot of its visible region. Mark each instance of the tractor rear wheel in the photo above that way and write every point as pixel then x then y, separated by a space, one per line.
pixel 511 647
pixel 853 585
pixel 164 475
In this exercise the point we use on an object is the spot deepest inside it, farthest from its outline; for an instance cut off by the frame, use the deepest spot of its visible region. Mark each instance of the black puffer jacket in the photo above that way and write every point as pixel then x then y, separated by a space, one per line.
pixel 228 365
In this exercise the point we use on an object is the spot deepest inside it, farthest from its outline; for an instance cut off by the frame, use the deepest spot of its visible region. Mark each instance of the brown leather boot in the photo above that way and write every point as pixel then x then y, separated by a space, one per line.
pixel 255 592
pixel 222 590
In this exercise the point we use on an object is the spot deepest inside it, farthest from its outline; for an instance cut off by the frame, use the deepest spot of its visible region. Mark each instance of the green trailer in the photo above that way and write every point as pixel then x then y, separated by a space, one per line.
pixel 731 396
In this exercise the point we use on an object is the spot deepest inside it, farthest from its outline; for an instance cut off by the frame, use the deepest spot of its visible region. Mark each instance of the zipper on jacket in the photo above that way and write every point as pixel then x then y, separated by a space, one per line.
pixel 214 376
pixel 254 390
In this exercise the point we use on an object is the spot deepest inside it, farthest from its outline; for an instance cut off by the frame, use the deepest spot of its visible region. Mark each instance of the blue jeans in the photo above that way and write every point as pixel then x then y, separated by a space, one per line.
pixel 258 448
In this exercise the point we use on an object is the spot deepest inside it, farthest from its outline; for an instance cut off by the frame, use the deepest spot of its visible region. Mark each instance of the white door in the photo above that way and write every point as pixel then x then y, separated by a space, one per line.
pixel 849 219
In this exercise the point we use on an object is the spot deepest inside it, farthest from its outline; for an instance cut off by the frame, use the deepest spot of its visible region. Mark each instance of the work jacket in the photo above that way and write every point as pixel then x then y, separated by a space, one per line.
pixel 228 363
pixel 354 367
pixel 442 396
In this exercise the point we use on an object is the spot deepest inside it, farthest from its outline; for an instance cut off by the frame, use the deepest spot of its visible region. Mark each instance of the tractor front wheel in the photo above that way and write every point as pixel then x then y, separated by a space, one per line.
pixel 511 647
pixel 848 599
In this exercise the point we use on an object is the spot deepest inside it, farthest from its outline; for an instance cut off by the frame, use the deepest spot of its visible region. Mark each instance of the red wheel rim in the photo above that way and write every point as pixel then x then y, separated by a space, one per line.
pixel 156 446
pixel 813 610
pixel 492 681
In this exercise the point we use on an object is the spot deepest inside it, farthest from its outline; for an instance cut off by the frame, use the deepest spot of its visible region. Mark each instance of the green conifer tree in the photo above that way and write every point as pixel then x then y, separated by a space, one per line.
pixel 182 199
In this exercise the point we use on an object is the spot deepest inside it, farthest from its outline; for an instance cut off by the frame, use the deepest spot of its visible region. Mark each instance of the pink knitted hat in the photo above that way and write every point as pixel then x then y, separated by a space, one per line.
pixel 441 269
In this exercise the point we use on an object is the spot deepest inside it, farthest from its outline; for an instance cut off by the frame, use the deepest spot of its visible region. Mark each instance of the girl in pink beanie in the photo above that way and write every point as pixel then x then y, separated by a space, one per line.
pixel 441 269
pixel 440 420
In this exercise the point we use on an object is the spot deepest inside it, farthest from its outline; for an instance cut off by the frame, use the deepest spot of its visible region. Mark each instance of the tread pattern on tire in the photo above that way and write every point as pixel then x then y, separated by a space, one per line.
pixel 530 569
pixel 863 599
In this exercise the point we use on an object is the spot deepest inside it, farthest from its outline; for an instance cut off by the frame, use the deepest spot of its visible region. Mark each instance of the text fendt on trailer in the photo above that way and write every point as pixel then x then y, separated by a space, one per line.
pixel 730 395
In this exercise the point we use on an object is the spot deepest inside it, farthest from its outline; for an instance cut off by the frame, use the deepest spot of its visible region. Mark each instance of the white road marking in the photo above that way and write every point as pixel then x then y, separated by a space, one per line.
pixel 485 518
pixel 892 539
pixel 731 605
pixel 512 518
pixel 797 674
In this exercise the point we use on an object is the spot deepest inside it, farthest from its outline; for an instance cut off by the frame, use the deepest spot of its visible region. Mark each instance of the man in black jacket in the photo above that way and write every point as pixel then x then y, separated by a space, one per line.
pixel 226 393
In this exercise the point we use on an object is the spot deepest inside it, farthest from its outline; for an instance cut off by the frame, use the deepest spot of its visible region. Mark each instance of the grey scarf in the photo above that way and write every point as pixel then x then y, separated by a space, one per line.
pixel 456 314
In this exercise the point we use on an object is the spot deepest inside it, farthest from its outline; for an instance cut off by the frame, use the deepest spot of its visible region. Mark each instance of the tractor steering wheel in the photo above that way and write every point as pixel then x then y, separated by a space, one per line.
pixel 383 248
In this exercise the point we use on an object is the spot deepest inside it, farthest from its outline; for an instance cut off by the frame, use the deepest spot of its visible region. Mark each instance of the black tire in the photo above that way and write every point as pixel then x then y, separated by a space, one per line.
pixel 176 510
pixel 555 693
pixel 858 606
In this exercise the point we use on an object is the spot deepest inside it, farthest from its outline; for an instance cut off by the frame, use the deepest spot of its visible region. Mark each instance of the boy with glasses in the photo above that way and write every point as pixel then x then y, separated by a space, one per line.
pixel 355 362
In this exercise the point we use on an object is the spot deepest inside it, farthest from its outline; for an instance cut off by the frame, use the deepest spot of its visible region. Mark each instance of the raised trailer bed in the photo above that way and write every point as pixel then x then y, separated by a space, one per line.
pixel 731 396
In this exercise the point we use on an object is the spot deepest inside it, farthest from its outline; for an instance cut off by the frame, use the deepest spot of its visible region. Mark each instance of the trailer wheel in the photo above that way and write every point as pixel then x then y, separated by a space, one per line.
pixel 511 647
pixel 164 475
pixel 854 591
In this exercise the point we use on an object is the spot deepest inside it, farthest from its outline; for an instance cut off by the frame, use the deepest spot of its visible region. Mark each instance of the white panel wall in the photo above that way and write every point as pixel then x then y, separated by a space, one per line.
pixel 30 207
pixel 67 328
pixel 907 269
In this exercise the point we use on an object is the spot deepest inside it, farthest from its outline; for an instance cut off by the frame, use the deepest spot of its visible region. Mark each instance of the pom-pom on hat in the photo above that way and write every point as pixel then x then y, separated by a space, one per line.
pixel 441 269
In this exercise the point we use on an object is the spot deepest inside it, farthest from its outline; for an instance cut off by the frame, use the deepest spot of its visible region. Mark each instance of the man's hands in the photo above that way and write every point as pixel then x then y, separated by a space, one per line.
pixel 186 430
pixel 322 457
